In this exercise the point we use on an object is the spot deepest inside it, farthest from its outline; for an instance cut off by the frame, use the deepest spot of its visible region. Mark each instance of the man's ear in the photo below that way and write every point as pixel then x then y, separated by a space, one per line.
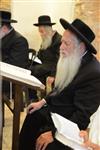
pixel 82 47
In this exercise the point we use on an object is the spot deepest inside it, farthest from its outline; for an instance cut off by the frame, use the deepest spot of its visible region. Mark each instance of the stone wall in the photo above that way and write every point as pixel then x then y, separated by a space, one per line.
pixel 89 12
pixel 5 5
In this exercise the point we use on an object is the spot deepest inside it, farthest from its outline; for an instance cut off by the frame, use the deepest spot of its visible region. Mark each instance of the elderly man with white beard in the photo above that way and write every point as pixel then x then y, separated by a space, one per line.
pixel 49 49
pixel 48 52
pixel 76 93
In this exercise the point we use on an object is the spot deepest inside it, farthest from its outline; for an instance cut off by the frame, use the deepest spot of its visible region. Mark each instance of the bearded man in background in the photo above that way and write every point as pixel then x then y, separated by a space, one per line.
pixel 49 49
pixel 76 93
pixel 48 52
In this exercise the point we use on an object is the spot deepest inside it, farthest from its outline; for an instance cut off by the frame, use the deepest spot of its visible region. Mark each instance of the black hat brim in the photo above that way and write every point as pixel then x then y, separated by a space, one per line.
pixel 8 21
pixel 44 24
pixel 67 25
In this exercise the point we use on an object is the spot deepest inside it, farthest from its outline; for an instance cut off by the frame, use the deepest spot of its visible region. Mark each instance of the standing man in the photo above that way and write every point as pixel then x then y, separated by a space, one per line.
pixel 13 46
pixel 76 93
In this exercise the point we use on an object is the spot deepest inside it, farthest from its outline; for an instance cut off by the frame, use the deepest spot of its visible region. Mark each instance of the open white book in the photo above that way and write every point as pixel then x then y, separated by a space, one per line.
pixel 19 74
pixel 67 132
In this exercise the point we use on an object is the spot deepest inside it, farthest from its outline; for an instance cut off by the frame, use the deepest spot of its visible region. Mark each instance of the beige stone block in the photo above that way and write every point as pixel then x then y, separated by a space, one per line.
pixel 89 12
pixel 5 5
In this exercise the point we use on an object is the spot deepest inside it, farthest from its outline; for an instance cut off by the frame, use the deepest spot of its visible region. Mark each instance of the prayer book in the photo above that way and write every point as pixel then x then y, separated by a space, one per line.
pixel 19 74
pixel 67 132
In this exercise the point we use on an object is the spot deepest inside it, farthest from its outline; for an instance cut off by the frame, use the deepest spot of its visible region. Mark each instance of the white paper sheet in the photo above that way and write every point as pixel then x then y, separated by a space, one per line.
pixel 67 132
pixel 35 58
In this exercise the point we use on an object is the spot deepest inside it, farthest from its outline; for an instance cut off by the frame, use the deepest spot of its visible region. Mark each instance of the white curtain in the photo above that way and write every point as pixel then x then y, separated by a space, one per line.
pixel 94 133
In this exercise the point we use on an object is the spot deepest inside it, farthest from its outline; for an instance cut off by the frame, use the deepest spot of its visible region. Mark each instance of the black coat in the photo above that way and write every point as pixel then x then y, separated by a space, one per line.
pixel 49 58
pixel 77 102
pixel 14 49
pixel 81 98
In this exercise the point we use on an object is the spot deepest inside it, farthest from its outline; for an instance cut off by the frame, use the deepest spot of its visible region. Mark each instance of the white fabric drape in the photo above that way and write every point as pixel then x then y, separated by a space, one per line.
pixel 94 133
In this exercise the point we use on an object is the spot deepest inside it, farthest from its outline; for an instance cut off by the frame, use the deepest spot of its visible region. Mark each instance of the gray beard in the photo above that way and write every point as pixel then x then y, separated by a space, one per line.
pixel 46 42
pixel 67 68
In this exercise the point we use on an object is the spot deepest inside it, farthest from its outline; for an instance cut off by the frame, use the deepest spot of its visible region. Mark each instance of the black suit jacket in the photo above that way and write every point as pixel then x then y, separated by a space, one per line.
pixel 14 49
pixel 78 101
pixel 49 58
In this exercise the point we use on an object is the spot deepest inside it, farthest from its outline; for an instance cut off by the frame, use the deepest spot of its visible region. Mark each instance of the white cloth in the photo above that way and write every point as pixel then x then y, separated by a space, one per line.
pixel 94 133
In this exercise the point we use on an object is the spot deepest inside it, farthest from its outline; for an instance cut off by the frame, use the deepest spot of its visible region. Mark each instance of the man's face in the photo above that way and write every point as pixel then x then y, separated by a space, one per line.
pixel 71 51
pixel 3 31
pixel 68 43
pixel 46 36
pixel 42 31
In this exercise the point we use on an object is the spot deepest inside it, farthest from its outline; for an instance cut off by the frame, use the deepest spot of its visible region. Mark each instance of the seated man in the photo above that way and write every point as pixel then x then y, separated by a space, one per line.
pixel 48 52
pixel 76 93
pixel 14 47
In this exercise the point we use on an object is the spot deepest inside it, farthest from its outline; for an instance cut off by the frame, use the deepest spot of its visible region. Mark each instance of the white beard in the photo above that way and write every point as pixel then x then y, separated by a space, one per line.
pixel 67 68
pixel 46 42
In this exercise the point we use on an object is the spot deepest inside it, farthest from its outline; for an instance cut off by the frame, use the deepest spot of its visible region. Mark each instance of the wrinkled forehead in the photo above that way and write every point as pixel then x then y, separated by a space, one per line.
pixel 69 36
pixel 43 28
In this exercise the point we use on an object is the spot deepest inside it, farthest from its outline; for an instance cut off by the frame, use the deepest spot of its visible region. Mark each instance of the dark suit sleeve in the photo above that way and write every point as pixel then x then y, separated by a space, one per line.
pixel 48 125
pixel 19 52
pixel 86 101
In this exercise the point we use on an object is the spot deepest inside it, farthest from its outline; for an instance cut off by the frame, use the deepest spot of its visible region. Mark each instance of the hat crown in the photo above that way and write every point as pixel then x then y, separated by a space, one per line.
pixel 44 19
pixel 84 29
pixel 5 15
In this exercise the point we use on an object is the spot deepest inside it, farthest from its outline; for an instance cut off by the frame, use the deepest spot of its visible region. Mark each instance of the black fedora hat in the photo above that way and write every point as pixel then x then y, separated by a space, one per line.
pixel 82 31
pixel 5 17
pixel 44 20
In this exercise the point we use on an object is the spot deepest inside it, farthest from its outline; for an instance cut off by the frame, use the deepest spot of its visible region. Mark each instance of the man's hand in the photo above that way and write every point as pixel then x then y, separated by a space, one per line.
pixel 84 135
pixel 50 80
pixel 43 140
pixel 35 106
